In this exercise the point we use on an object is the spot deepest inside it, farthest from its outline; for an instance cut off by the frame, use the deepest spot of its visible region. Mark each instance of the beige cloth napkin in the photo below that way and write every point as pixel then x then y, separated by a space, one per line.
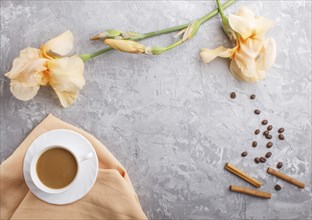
pixel 112 196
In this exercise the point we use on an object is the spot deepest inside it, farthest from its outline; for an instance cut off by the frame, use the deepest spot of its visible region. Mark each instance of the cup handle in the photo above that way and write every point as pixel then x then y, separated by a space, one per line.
pixel 85 157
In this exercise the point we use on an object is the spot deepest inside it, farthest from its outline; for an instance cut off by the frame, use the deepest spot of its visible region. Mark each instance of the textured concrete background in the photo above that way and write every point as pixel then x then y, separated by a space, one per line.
pixel 168 119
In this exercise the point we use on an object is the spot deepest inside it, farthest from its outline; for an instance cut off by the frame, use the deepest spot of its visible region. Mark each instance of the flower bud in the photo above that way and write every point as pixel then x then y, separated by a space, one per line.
pixel 112 33
pixel 127 46
pixel 191 30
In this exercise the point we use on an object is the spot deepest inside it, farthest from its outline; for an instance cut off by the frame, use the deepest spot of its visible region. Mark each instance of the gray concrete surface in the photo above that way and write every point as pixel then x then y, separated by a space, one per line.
pixel 168 119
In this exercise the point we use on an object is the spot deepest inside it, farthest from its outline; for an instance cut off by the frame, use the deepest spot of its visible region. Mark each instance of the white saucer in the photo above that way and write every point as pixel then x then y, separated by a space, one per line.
pixel 88 169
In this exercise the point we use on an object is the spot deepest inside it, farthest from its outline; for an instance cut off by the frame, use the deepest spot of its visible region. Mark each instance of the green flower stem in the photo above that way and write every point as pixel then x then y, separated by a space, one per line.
pixel 221 10
pixel 225 23
pixel 86 57
pixel 174 45
pixel 164 49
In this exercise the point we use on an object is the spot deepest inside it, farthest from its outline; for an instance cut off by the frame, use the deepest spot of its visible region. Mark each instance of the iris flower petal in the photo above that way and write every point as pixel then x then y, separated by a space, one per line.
pixel 60 45
pixel 209 55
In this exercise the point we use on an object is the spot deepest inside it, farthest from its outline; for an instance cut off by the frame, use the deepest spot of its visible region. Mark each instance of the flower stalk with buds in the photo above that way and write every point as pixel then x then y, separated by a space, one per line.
pixel 51 65
pixel 126 39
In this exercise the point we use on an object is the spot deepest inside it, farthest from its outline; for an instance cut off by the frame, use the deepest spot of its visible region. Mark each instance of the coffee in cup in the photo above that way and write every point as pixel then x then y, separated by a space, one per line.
pixel 56 167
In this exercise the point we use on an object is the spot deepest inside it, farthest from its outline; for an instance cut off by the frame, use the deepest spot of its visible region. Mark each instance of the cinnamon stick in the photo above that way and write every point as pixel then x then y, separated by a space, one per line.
pixel 285 177
pixel 242 175
pixel 251 192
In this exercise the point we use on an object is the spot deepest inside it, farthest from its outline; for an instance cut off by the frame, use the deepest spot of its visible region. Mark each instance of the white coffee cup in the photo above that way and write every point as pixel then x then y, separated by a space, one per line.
pixel 40 185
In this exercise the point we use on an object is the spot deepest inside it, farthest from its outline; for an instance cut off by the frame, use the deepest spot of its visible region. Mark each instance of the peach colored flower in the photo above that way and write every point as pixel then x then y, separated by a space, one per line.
pixel 47 65
pixel 253 54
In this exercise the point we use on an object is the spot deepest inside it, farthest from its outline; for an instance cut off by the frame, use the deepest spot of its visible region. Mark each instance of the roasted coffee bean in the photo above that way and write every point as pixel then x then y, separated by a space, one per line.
pixel 268 154
pixel 257 131
pixel 281 130
pixel 266 133
pixel 269 144
pixel 269 128
pixel 268 136
pixel 262 159
pixel 253 96
pixel 257 160
pixel 278 187
pixel 281 137
pixel 264 122
pixel 257 111
pixel 254 143
pixel 233 95
pixel 244 154
pixel 279 165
